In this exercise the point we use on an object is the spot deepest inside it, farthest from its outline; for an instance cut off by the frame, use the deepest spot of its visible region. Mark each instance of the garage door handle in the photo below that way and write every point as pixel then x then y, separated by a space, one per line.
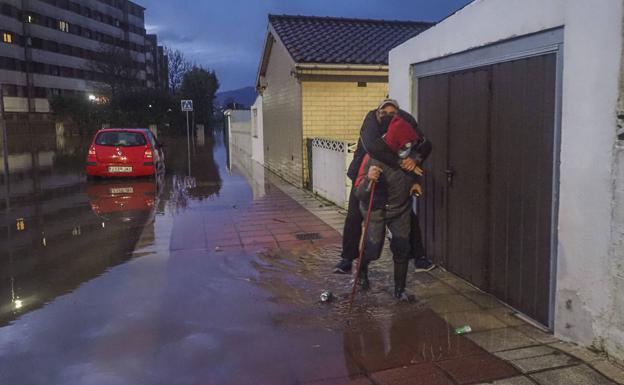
pixel 449 177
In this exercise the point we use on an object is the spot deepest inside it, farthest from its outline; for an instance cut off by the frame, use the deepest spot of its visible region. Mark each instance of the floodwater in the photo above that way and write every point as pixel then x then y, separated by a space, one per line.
pixel 188 279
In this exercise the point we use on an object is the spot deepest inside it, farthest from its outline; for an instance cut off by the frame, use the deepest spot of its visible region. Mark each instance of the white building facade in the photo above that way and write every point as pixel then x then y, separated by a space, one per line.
pixel 257 131
pixel 566 54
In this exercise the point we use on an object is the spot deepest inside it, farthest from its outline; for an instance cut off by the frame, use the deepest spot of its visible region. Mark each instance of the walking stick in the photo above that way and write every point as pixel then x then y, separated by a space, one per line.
pixel 371 187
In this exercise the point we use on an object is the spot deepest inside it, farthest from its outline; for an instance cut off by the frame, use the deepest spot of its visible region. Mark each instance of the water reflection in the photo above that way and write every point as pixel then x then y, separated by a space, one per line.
pixel 129 202
pixel 205 179
pixel 58 230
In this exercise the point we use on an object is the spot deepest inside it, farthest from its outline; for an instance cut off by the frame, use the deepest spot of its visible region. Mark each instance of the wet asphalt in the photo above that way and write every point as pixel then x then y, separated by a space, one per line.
pixel 189 279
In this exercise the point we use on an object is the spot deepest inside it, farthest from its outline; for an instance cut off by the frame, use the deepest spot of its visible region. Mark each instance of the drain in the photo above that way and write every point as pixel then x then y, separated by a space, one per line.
pixel 308 236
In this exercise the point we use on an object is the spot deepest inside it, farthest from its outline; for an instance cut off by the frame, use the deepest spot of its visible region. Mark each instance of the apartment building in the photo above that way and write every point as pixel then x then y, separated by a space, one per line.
pixel 47 48
pixel 156 64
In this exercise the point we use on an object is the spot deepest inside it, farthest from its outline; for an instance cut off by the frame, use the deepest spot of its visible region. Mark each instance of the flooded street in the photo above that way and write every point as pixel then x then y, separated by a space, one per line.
pixel 212 278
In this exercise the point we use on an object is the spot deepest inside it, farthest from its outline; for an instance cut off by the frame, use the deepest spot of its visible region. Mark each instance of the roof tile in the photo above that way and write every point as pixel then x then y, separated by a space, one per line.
pixel 311 39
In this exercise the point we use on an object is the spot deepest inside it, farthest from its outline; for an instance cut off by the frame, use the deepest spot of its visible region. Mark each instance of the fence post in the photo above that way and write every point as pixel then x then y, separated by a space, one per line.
pixel 309 146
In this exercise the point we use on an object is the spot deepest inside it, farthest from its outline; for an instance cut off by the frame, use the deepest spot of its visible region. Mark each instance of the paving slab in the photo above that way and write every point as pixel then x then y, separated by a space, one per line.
pixel 477 320
pixel 484 300
pixel 459 284
pixel 534 364
pixel 537 334
pixel 479 368
pixel 451 303
pixel 511 381
pixel 341 381
pixel 506 315
pixel 412 375
pixel 533 351
pixel 430 289
pixel 576 375
pixel 609 369
pixel 501 339
pixel 579 352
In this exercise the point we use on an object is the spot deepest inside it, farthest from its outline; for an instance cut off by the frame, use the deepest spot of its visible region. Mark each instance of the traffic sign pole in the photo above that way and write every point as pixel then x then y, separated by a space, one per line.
pixel 188 143
pixel 186 106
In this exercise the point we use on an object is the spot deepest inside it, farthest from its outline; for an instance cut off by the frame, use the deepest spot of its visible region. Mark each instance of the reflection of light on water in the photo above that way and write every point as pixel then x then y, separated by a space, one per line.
pixel 18 303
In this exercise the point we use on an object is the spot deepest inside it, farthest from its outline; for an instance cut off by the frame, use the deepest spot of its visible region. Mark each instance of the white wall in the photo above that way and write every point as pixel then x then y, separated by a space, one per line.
pixel 587 273
pixel 257 137
pixel 242 142
pixel 239 125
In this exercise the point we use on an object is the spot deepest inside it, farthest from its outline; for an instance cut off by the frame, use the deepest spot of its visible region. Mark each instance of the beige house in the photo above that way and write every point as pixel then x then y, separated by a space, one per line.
pixel 318 78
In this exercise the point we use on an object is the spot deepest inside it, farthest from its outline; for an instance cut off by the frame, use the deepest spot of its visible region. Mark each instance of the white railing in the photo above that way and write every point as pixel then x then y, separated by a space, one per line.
pixel 330 161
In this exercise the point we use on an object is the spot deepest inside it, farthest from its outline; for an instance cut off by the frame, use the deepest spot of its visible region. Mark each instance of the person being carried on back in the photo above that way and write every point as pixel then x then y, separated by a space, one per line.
pixel 391 204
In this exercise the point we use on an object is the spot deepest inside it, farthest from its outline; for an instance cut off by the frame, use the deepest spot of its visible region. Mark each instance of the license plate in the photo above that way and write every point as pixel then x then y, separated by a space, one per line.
pixel 122 190
pixel 119 169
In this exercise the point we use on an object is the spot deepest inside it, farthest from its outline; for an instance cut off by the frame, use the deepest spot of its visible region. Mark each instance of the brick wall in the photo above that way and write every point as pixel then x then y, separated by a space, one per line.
pixel 282 118
pixel 336 109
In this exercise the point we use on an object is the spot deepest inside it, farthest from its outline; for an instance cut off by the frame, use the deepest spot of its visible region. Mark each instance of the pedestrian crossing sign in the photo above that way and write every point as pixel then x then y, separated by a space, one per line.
pixel 187 105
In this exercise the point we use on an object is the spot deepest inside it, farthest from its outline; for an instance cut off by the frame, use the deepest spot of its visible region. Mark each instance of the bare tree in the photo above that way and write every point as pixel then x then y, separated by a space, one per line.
pixel 178 66
pixel 116 68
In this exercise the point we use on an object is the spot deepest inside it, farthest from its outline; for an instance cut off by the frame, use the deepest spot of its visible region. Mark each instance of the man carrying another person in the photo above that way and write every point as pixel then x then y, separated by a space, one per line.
pixel 375 125
pixel 391 204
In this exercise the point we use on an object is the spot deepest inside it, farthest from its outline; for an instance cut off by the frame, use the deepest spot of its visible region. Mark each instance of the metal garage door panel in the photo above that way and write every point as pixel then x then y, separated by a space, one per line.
pixel 433 107
pixel 468 163
pixel 523 105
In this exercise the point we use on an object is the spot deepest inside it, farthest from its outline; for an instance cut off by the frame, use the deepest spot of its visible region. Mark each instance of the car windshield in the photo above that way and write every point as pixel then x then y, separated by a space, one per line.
pixel 120 139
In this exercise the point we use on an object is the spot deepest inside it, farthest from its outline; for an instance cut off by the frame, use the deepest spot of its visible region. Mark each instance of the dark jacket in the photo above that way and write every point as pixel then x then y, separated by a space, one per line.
pixel 371 142
pixel 392 192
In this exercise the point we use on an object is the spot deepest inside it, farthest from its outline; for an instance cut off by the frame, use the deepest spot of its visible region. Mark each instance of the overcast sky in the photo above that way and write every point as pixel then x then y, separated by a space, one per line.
pixel 227 35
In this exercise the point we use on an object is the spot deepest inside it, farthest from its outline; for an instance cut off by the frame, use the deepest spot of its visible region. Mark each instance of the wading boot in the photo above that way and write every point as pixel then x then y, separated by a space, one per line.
pixel 400 278
pixel 343 267
pixel 363 282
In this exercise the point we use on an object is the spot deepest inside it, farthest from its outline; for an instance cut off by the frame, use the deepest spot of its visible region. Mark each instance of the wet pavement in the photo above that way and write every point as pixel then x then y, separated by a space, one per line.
pixel 215 277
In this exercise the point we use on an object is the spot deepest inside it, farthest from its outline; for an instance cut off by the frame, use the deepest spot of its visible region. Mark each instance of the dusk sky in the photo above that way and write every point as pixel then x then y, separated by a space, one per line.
pixel 227 36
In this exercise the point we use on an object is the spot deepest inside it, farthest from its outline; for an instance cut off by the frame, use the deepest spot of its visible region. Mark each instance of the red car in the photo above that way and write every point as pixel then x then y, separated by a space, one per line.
pixel 117 152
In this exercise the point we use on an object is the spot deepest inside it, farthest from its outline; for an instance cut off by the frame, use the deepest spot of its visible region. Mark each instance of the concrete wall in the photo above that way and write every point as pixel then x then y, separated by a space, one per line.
pixel 281 107
pixel 589 274
pixel 613 342
pixel 257 131
pixel 335 109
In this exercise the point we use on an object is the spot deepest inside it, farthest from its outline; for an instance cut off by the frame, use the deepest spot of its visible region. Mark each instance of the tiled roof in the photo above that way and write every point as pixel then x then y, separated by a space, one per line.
pixel 311 39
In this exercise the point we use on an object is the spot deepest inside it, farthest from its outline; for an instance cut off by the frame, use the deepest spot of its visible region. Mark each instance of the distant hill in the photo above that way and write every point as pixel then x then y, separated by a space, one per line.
pixel 244 96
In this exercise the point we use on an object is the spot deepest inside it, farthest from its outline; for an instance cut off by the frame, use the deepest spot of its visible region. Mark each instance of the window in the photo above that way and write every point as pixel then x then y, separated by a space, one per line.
pixel 63 26
pixel 9 90
pixel 7 37
pixel 120 139
pixel 54 70
pixel 40 92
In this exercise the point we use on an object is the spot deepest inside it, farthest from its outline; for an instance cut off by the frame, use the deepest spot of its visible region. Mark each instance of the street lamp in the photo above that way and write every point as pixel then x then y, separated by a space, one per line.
pixel 92 97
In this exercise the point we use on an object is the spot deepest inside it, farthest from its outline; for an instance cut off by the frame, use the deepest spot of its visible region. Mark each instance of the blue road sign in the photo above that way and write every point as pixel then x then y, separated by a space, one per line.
pixel 187 105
